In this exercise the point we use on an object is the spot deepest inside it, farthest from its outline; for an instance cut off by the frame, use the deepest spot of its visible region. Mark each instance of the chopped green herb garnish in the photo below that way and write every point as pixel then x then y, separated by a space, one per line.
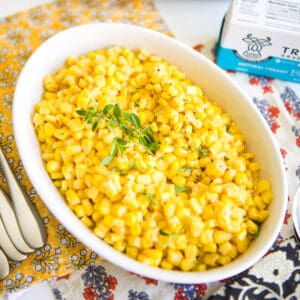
pixel 90 115
pixel 107 160
pixel 186 170
pixel 118 146
pixel 151 197
pixel 107 108
pixel 164 233
pixel 117 111
pixel 180 189
pixel 258 231
pixel 133 119
pixel 129 123
pixel 132 165
pixel 203 151
pixel 172 236
pixel 59 179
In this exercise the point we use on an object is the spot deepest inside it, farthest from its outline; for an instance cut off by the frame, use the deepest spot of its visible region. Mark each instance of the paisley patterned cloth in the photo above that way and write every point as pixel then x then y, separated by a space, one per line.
pixel 20 35
pixel 76 272
pixel 276 276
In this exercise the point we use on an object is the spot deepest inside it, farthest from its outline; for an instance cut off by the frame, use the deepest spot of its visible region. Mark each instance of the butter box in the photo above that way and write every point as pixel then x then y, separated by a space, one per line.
pixel 262 37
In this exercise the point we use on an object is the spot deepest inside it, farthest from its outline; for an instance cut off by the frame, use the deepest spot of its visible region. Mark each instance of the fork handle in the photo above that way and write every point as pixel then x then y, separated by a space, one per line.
pixel 8 247
pixel 4 266
pixel 30 223
pixel 11 224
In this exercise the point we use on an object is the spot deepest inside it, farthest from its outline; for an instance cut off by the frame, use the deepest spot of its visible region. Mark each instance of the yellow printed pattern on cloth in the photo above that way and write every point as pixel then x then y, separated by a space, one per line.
pixel 20 35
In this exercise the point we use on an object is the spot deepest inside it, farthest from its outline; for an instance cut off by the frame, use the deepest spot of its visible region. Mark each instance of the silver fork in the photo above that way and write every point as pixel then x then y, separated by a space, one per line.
pixel 28 219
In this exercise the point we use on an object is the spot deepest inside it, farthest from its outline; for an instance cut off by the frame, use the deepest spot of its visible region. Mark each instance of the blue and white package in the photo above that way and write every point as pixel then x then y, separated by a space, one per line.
pixel 262 37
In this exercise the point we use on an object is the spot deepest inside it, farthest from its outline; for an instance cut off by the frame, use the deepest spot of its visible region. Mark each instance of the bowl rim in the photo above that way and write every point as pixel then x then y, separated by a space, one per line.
pixel 87 237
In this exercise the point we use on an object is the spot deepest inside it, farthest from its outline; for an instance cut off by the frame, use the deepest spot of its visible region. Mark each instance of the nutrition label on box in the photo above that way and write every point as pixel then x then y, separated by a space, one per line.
pixel 283 14
pixel 274 13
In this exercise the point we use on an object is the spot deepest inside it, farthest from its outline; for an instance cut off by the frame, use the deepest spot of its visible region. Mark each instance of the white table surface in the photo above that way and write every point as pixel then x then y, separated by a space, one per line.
pixel 191 21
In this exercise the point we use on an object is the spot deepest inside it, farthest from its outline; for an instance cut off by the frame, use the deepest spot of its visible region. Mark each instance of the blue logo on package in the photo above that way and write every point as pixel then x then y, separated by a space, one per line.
pixel 255 46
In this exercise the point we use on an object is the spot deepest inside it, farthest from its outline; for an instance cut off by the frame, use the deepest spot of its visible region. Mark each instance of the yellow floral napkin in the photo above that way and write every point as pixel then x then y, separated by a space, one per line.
pixel 20 35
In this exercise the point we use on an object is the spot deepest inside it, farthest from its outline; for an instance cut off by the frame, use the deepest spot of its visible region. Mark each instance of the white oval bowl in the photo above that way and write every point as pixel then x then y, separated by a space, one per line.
pixel 215 83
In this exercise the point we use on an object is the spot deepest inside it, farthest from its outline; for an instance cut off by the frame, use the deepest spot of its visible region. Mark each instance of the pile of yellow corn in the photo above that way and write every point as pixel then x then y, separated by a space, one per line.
pixel 194 204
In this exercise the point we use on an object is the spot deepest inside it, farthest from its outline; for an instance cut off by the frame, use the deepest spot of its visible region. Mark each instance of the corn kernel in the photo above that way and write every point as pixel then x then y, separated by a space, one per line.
pixel 79 210
pixel 206 236
pixel 174 257
pixel 169 209
pixel 150 257
pixel 88 208
pixel 104 207
pixel 165 264
pixel 252 227
pixel 187 264
pixel 191 251
pixel 242 245
pixel 267 197
pixel 221 236
pixel 72 149
pixel 211 259
pixel 263 186
pixel 196 227
pixel 86 221
pixel 254 166
pixel 72 197
pixel 100 230
pixel 92 192
pixel 53 165
pixel 132 252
